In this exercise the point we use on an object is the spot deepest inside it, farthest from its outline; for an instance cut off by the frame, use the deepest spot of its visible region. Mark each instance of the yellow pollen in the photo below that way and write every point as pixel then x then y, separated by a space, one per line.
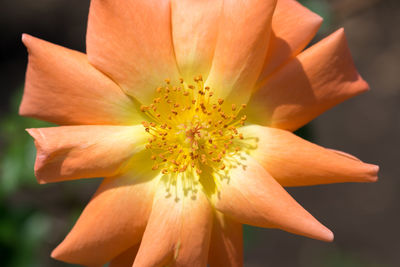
pixel 191 133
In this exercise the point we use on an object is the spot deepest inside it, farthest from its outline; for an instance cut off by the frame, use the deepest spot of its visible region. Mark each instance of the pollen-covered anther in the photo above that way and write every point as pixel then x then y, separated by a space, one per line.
pixel 189 131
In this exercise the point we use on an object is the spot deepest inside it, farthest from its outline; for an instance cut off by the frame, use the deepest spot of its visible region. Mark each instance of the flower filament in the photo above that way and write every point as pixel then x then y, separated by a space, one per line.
pixel 189 130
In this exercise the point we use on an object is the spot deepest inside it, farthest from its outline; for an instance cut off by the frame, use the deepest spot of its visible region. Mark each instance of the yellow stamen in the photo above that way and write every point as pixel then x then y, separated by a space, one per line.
pixel 190 132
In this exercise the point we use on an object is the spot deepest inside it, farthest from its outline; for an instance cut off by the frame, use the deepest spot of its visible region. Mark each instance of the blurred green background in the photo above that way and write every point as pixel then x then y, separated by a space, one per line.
pixel 365 218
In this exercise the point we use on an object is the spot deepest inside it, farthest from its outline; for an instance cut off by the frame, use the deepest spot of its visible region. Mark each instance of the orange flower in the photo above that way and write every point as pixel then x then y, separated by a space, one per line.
pixel 187 107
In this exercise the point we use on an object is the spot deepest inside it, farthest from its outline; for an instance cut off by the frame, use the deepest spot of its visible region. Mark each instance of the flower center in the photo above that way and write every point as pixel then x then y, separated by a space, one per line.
pixel 190 131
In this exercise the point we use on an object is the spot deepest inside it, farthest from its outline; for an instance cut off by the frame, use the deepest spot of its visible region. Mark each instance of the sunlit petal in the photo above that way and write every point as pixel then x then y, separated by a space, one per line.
pixel 252 196
pixel 285 42
pixel 131 41
pixel 178 232
pixel 241 48
pixel 112 222
pixel 62 87
pixel 73 152
pixel 293 161
pixel 194 31
pixel 320 78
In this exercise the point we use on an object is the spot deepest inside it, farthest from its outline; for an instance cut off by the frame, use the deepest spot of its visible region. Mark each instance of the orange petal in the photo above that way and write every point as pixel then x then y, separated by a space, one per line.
pixel 126 258
pixel 293 27
pixel 252 196
pixel 73 152
pixel 112 222
pixel 195 30
pixel 293 161
pixel 178 232
pixel 226 246
pixel 62 87
pixel 130 41
pixel 316 80
pixel 242 45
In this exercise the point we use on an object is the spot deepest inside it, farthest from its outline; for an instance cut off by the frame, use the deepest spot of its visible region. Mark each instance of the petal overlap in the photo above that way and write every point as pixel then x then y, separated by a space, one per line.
pixel 195 31
pixel 112 222
pixel 320 77
pixel 240 50
pixel 134 49
pixel 73 152
pixel 293 161
pixel 126 258
pixel 285 42
pixel 178 232
pixel 62 87
pixel 226 246
pixel 251 196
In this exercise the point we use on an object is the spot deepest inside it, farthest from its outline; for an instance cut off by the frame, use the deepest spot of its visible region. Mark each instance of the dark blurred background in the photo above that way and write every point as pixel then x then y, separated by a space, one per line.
pixel 364 217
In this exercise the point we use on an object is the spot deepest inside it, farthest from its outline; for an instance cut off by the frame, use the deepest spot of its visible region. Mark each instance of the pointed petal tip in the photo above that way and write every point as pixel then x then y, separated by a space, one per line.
pixel 60 253
pixel 317 231
pixel 30 131
pixel 40 180
pixel 369 171
pixel 21 110
pixel 56 253
pixel 322 233
pixel 374 170
pixel 24 36
pixel 337 36
pixel 328 236
pixel 364 85
pixel 318 19
pixel 39 159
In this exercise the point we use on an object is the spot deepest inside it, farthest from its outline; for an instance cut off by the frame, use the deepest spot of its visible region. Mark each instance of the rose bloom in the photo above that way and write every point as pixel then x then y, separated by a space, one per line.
pixel 187 109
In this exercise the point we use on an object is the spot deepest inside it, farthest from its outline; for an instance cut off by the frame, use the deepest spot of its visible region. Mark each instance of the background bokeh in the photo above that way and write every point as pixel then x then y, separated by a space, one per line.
pixel 365 217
